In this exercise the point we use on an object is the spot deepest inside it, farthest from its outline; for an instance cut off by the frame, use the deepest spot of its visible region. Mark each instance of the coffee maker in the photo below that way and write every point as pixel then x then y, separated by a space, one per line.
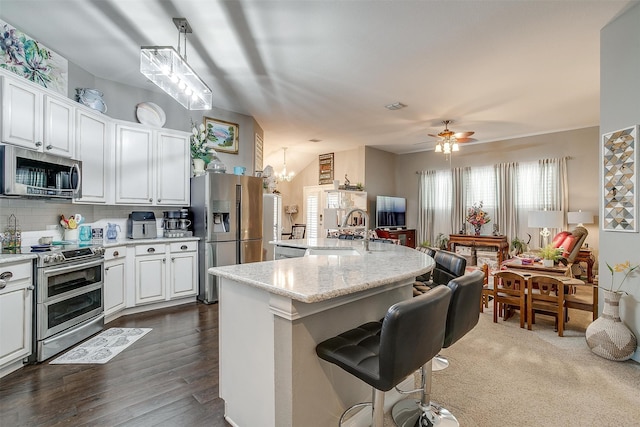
pixel 177 223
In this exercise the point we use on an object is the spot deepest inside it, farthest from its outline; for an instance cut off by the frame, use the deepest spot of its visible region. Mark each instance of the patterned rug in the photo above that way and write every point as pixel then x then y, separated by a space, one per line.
pixel 103 347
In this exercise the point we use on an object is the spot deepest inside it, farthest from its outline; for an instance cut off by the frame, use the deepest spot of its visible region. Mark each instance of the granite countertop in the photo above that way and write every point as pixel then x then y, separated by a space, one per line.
pixel 160 239
pixel 7 258
pixel 316 278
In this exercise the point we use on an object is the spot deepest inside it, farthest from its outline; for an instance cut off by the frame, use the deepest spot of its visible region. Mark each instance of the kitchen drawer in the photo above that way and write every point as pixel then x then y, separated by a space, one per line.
pixel 18 271
pixel 150 249
pixel 183 247
pixel 115 252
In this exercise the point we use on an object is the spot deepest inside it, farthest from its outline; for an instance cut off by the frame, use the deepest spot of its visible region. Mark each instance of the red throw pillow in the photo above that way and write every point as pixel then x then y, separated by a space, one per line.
pixel 559 238
pixel 567 244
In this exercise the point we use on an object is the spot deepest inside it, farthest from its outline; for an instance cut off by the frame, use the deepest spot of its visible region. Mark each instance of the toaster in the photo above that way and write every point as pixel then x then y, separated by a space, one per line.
pixel 141 225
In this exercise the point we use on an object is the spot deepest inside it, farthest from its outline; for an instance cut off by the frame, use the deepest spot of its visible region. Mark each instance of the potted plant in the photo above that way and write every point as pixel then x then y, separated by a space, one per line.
pixel 549 255
pixel 608 336
pixel 518 246
pixel 441 241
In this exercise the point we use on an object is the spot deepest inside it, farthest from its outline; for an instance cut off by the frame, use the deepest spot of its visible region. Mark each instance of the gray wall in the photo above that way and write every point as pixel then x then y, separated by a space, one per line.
pixel 619 107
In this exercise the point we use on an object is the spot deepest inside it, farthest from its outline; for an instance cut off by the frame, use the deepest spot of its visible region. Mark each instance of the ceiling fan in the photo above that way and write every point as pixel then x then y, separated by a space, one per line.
pixel 449 139
pixel 448 134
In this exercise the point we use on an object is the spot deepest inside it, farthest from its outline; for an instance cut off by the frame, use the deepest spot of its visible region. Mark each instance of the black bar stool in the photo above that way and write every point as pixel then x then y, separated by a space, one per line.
pixel 384 353
pixel 462 316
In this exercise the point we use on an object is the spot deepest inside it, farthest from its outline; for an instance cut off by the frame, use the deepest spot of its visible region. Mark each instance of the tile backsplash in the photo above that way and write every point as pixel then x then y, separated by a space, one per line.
pixel 36 214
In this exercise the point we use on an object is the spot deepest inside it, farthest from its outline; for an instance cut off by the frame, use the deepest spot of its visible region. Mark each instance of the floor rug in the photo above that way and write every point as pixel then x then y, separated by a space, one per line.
pixel 103 347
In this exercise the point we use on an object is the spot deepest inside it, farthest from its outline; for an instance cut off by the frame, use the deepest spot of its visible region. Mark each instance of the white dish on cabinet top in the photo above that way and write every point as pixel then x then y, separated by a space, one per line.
pixel 150 114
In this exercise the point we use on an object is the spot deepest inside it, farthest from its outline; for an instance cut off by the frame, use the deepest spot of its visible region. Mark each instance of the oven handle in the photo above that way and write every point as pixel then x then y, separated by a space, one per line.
pixel 74 267
pixel 71 294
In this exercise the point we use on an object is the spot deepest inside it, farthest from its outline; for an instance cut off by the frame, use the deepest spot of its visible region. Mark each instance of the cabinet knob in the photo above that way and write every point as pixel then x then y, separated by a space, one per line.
pixel 106 269
pixel 49 147
pixel 30 287
pixel 7 275
pixel 183 247
pixel 173 259
pixel 164 260
pixel 38 143
pixel 150 199
pixel 116 253
pixel 151 250
pixel 159 200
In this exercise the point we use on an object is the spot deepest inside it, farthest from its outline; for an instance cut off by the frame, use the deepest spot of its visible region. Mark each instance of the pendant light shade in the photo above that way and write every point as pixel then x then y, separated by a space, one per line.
pixel 169 70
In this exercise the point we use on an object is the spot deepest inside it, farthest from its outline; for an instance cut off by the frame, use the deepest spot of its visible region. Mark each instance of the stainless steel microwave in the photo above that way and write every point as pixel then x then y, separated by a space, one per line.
pixel 28 173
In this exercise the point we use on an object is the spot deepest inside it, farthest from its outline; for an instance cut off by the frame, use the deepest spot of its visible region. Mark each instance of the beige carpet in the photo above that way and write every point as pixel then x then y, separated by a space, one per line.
pixel 501 375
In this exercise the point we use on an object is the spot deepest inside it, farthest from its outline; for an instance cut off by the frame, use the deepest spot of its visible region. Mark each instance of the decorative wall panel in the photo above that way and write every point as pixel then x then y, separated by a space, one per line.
pixel 620 180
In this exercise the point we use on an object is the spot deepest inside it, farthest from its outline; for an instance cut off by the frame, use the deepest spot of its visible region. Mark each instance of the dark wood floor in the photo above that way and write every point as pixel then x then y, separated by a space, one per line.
pixel 167 378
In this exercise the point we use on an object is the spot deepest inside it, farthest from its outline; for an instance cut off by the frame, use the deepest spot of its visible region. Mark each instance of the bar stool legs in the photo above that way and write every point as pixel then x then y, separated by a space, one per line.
pixel 423 412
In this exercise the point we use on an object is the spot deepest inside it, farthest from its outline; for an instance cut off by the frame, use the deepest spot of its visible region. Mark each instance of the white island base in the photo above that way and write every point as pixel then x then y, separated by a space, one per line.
pixel 270 375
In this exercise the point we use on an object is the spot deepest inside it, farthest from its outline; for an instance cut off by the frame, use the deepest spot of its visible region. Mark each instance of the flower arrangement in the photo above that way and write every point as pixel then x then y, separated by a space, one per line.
pixel 625 268
pixel 477 217
pixel 199 142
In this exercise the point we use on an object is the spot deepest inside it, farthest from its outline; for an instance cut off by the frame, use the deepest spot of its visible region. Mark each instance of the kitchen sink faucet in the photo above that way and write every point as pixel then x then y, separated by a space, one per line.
pixel 366 225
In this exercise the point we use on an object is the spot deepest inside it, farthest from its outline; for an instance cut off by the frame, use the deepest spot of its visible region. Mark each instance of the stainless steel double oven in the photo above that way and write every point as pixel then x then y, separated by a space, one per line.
pixel 69 298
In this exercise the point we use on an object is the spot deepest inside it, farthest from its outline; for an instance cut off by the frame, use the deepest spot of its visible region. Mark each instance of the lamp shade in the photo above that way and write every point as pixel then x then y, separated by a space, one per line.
pixel 580 217
pixel 545 219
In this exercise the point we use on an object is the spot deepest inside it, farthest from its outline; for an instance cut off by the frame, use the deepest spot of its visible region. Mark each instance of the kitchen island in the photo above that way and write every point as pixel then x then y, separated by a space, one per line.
pixel 272 314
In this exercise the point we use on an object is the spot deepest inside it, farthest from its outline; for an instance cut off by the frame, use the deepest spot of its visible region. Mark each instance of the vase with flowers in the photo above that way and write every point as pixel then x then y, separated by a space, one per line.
pixel 608 336
pixel 203 152
pixel 477 217
pixel 199 153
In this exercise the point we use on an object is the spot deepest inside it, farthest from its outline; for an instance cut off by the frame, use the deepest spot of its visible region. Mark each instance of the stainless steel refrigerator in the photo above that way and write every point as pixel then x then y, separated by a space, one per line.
pixel 227 216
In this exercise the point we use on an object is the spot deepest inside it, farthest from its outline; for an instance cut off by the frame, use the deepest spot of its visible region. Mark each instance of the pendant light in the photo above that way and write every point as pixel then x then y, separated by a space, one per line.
pixel 169 70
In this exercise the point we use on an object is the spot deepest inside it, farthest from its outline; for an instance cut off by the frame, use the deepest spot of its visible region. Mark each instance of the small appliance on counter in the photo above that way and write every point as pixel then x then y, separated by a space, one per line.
pixel 141 225
pixel 177 223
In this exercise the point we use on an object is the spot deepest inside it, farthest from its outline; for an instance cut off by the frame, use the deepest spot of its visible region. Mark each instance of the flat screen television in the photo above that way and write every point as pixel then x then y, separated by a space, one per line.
pixel 391 212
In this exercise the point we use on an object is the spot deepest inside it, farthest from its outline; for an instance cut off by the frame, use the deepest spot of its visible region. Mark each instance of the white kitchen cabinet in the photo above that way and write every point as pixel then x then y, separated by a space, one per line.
pixel 36 121
pixel 93 142
pixel 59 126
pixel 183 269
pixel 114 279
pixel 134 165
pixel 150 273
pixel 172 168
pixel 16 299
pixel 152 167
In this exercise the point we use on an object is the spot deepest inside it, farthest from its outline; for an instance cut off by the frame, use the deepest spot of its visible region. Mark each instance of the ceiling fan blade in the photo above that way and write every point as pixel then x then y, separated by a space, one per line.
pixel 459 135
pixel 462 140
pixel 435 136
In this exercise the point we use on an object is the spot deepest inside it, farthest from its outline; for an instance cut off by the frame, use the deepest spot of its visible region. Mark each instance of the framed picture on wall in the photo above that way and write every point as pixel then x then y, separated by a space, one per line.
pixel 224 135
pixel 620 180
pixel 326 168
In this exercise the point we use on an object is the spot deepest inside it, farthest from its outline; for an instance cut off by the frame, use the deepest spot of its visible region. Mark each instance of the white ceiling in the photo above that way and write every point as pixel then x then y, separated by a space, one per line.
pixel 325 70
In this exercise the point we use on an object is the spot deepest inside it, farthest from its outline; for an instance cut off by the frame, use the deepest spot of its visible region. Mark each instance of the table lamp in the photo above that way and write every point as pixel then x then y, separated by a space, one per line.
pixel 545 220
pixel 580 218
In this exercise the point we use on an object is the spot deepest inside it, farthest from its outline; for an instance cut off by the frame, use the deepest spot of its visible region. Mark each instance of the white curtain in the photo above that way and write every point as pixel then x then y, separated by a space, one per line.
pixel 507 216
pixel 434 201
pixel 480 187
pixel 508 191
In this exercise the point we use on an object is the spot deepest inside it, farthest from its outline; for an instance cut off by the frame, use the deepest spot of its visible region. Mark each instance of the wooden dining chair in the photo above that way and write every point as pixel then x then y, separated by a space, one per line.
pixel 509 293
pixel 545 295
pixel 487 289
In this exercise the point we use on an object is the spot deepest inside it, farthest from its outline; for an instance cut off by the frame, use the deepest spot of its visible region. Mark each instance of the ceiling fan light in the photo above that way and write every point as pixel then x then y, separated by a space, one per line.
pixel 455 147
pixel 438 148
